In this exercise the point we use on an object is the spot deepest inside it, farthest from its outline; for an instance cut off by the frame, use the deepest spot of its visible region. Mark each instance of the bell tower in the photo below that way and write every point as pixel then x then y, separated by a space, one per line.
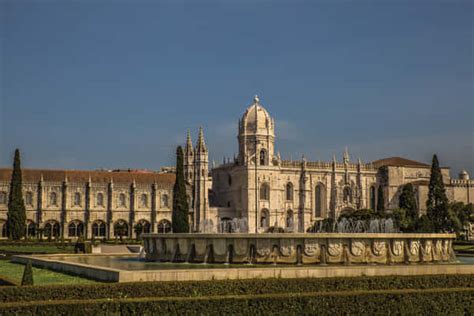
pixel 256 136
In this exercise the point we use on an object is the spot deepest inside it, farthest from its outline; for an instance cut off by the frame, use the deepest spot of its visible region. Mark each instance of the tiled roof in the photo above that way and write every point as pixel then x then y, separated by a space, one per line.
pixel 399 162
pixel 34 175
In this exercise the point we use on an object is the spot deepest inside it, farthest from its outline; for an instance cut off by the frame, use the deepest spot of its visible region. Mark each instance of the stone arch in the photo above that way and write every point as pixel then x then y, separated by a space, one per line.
pixel 289 191
pixel 263 157
pixel 142 227
pixel 290 220
pixel 320 200
pixel 51 229
pixel 121 228
pixel 99 229
pixel 265 192
pixel 75 228
pixel 264 218
pixel 164 226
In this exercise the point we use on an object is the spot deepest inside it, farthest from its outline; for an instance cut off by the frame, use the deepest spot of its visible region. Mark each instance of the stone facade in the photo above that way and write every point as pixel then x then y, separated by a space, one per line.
pixel 266 190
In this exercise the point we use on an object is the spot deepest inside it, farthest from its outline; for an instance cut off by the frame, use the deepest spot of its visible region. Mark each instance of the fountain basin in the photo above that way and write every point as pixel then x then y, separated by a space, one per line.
pixel 300 248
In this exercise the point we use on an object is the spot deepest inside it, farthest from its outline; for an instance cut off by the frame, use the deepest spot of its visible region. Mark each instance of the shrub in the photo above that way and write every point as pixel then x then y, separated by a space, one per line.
pixel 27 274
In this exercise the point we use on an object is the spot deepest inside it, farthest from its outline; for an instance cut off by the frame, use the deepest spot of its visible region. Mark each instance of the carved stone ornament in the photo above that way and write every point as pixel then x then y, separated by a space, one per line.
pixel 397 247
pixel 357 248
pixel 240 247
pixel 200 246
pixel 219 246
pixel 287 247
pixel 311 248
pixel 414 247
pixel 335 249
pixel 264 247
pixel 378 247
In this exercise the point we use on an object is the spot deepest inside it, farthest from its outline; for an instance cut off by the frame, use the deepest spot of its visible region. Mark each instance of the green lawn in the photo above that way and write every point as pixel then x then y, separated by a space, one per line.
pixel 35 249
pixel 14 271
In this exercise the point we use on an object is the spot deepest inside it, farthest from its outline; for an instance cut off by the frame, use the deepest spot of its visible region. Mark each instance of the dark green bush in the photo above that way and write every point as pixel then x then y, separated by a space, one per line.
pixel 229 287
pixel 412 302
pixel 27 274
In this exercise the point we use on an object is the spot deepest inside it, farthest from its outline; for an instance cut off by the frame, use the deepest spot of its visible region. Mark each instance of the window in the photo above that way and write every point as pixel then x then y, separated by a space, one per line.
pixel 347 195
pixel 100 199
pixel 120 228
pixel 264 218
pixel 320 200
pixel 51 229
pixel 289 219
pixel 98 229
pixel 29 198
pixel 75 229
pixel 142 227
pixel 289 192
pixel 53 198
pixel 77 199
pixel 265 192
pixel 263 157
pixel 122 200
pixel 164 200
pixel 164 226
pixel 144 200
pixel 372 197
pixel 3 197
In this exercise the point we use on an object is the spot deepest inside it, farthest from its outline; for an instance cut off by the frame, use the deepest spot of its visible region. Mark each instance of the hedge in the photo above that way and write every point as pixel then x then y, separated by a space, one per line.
pixel 384 302
pixel 229 287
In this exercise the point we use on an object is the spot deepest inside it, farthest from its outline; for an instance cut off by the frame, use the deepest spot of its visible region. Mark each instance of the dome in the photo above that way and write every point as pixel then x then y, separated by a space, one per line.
pixel 463 175
pixel 256 119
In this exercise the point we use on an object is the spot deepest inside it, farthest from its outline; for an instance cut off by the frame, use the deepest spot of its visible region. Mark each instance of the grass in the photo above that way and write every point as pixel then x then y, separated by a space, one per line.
pixel 35 249
pixel 14 271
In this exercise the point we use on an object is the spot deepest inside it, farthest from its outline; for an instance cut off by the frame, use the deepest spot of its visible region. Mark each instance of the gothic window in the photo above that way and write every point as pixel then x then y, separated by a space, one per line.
pixel 265 192
pixel 164 226
pixel 289 191
pixel 347 196
pixel 98 229
pixel 372 197
pixel 75 229
pixel 53 198
pixel 51 229
pixel 100 199
pixel 144 200
pixel 263 157
pixel 164 201
pixel 77 199
pixel 3 197
pixel 122 200
pixel 29 198
pixel 289 219
pixel 142 227
pixel 120 228
pixel 264 218
pixel 320 200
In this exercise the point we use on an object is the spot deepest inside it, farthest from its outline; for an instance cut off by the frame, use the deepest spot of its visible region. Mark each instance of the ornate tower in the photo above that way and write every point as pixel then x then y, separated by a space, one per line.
pixel 189 160
pixel 256 136
pixel 201 183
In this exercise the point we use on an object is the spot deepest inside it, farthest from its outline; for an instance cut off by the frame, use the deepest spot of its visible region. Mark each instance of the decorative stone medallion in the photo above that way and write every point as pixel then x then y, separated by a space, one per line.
pixel 264 247
pixel 311 248
pixel 357 248
pixel 287 247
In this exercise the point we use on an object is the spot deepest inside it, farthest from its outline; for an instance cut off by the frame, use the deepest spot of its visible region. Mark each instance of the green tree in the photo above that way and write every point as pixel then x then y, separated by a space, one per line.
pixel 437 204
pixel 16 223
pixel 27 274
pixel 407 201
pixel 380 200
pixel 180 202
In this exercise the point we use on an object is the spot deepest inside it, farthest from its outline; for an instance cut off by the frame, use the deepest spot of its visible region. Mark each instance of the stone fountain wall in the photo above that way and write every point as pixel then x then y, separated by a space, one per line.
pixel 326 248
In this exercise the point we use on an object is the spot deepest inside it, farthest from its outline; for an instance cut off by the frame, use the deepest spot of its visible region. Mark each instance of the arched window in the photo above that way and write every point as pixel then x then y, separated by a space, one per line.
pixel 100 199
pixel 372 197
pixel 320 200
pixel 121 228
pixel 122 200
pixel 51 229
pixel 164 200
pixel 164 226
pixel 265 192
pixel 144 200
pixel 289 191
pixel 347 195
pixel 30 229
pixel 289 219
pixel 29 198
pixel 77 199
pixel 3 229
pixel 264 218
pixel 75 229
pixel 53 198
pixel 98 229
pixel 263 157
pixel 142 227
pixel 3 197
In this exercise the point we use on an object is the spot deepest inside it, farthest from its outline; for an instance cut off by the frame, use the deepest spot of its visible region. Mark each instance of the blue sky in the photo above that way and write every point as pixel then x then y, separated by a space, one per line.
pixel 115 84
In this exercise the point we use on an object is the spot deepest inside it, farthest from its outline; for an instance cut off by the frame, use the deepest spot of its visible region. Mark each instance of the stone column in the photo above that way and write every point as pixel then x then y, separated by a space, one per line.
pixel 110 228
pixel 131 230
pixel 64 208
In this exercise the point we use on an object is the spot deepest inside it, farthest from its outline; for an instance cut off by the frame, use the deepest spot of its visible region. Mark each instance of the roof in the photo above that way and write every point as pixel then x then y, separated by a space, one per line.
pixel 399 162
pixel 140 177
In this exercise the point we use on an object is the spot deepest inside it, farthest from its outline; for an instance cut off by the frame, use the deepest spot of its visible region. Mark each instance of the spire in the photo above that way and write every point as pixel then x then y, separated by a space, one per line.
pixel 201 145
pixel 189 143
pixel 256 99
pixel 346 156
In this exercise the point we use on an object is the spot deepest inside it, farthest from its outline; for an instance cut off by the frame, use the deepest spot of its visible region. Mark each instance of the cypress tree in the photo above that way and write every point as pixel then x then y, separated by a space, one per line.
pixel 380 199
pixel 27 274
pixel 16 223
pixel 407 200
pixel 437 204
pixel 180 202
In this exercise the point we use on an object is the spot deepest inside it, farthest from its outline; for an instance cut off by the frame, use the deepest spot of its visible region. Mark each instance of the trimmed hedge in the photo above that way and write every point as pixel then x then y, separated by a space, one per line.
pixel 229 287
pixel 413 302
